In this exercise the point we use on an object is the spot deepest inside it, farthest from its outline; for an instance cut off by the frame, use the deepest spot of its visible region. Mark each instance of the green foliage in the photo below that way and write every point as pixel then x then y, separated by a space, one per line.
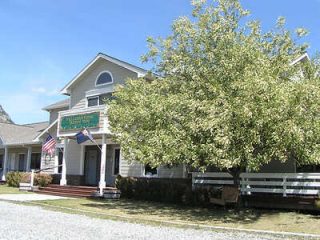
pixel 13 179
pixel 43 179
pixel 226 95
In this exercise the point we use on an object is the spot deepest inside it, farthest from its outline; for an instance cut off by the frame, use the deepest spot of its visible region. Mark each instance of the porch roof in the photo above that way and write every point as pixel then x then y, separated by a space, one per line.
pixel 13 134
pixel 58 105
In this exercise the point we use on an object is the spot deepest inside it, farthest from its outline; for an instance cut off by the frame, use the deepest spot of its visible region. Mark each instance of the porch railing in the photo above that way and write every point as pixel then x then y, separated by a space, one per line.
pixel 267 183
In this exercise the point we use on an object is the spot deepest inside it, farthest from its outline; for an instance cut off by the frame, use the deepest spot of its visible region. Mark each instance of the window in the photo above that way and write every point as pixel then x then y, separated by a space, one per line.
pixel 21 162
pixel 60 159
pixel 1 161
pixel 99 100
pixel 116 161
pixel 93 101
pixel 104 78
pixel 35 160
pixel 150 171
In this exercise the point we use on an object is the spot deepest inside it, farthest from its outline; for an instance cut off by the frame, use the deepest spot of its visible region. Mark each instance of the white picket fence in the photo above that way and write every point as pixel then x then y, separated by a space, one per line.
pixel 267 183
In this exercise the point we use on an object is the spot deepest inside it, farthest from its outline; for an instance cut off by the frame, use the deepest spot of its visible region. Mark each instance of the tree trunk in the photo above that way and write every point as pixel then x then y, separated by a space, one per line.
pixel 235 172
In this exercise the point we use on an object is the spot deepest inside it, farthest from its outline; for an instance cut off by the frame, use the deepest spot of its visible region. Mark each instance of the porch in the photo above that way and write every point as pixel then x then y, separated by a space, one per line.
pixel 19 158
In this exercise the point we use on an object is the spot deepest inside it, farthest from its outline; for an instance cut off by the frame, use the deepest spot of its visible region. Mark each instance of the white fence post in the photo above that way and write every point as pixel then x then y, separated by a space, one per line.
pixel 284 182
pixel 32 179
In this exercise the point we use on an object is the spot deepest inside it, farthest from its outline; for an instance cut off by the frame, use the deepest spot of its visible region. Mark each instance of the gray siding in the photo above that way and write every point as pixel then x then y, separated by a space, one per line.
pixel 73 158
pixel 132 169
pixel 47 162
pixel 174 172
pixel 88 79
pixel 136 169
pixel 54 114
pixel 278 167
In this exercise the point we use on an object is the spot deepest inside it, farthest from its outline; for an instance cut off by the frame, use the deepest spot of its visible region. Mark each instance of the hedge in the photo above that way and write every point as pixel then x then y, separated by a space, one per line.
pixel 178 191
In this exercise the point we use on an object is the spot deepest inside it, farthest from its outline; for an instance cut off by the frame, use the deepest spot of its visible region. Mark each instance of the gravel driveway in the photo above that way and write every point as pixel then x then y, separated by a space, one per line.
pixel 26 222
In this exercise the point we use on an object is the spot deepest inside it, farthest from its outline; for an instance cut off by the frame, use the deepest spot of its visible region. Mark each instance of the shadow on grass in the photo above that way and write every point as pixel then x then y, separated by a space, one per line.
pixel 177 212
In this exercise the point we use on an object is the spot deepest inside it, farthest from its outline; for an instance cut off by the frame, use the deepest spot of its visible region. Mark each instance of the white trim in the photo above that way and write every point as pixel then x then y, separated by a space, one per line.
pixel 130 67
pixel 87 101
pixel 45 131
pixel 99 91
pixel 104 84
pixel 300 59
pixel 71 112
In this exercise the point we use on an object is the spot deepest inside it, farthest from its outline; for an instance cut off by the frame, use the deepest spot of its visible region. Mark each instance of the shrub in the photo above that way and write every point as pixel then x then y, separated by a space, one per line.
pixel 42 179
pixel 14 178
pixel 161 190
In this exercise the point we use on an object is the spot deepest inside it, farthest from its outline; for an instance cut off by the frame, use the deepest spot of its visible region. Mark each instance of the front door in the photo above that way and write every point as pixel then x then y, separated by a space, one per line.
pixel 92 166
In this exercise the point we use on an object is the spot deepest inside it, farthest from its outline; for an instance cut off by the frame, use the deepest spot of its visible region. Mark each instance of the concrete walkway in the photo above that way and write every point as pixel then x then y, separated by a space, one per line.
pixel 28 197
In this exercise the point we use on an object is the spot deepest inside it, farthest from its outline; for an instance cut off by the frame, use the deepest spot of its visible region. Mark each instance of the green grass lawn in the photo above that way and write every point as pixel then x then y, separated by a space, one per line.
pixel 5 189
pixel 155 213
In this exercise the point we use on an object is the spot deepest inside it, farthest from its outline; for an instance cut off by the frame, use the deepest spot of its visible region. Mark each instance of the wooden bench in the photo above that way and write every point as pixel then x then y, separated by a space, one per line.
pixel 229 195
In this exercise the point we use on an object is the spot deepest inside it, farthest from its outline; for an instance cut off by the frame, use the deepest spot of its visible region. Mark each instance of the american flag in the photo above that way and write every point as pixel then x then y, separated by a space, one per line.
pixel 49 145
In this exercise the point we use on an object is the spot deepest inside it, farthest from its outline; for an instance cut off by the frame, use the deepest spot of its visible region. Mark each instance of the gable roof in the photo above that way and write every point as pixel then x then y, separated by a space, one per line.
pixel 13 134
pixel 57 105
pixel 140 71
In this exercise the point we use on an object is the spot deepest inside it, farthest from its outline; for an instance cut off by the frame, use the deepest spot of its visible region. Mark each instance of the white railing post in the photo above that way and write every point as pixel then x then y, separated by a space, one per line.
pixel 32 179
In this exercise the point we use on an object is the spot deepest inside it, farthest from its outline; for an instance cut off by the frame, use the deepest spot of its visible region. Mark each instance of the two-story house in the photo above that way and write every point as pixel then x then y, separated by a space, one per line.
pixel 93 163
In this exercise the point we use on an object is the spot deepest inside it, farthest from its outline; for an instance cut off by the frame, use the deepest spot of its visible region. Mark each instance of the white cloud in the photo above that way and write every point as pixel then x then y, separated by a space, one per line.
pixel 47 92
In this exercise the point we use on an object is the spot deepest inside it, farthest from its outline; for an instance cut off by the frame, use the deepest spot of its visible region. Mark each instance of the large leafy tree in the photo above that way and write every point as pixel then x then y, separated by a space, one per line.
pixel 225 94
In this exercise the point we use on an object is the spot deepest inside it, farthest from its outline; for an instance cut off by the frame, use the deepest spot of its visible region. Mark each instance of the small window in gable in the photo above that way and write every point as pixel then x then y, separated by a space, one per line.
pixel 104 78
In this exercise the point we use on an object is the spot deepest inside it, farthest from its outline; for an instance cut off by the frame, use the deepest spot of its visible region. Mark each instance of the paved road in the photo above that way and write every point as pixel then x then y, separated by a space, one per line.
pixel 29 222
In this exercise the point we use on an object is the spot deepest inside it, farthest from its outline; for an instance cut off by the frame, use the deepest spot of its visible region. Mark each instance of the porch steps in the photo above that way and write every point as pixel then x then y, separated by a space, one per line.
pixel 68 191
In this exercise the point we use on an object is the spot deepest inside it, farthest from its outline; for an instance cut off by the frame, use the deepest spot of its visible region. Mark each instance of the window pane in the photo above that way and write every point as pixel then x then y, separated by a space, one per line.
pixel 104 78
pixel 149 171
pixel 116 161
pixel 93 101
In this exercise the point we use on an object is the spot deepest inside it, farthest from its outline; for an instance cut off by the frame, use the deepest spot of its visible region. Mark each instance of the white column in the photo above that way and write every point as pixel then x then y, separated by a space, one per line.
pixel 63 180
pixel 82 153
pixel 102 183
pixel 28 164
pixel 56 161
pixel 5 164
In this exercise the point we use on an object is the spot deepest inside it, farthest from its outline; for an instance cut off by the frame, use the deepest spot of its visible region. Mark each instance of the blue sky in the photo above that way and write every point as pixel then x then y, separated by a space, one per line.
pixel 44 44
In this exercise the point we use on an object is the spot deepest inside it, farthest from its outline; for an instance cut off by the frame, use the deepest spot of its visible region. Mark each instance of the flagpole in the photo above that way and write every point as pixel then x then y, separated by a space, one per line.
pixel 94 141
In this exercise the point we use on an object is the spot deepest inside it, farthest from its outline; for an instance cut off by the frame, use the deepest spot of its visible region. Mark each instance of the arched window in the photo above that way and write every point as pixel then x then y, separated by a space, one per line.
pixel 104 78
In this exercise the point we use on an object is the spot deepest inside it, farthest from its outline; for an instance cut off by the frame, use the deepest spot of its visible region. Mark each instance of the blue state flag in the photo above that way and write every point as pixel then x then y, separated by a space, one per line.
pixel 83 136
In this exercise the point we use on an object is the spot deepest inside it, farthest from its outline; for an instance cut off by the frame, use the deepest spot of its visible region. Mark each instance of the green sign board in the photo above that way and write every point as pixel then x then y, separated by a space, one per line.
pixel 76 122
